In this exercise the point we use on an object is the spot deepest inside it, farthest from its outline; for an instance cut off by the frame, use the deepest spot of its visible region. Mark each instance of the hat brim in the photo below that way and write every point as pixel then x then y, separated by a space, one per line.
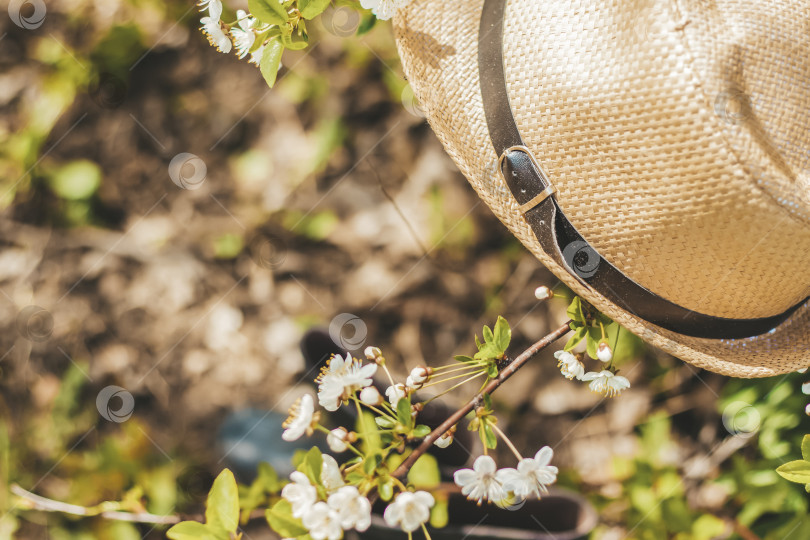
pixel 438 45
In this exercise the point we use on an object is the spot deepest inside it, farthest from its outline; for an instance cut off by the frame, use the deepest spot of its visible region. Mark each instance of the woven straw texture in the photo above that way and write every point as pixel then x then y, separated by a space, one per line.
pixel 676 134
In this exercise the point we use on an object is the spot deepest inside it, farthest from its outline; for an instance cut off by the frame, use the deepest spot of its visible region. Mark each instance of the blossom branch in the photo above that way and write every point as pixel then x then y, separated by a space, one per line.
pixel 511 368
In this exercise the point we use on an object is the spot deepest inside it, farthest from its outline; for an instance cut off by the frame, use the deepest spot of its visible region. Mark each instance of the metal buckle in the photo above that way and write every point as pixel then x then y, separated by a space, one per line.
pixel 540 197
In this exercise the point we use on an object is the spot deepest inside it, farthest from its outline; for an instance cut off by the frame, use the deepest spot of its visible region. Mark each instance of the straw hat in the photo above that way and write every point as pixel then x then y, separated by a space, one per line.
pixel 654 155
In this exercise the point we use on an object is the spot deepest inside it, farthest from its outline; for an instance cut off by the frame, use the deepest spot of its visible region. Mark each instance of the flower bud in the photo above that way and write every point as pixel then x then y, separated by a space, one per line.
pixel 806 388
pixel 420 375
pixel 603 352
pixel 543 293
pixel 337 439
pixel 370 396
pixel 372 353
pixel 807 410
pixel 444 441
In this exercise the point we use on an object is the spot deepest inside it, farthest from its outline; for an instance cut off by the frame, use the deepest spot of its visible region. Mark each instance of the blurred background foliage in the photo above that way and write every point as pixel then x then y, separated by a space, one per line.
pixel 327 195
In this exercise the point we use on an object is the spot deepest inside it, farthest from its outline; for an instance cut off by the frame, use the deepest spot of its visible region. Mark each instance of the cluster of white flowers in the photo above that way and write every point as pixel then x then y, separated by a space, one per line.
pixel 344 509
pixel 383 9
pixel 243 37
pixel 409 510
pixel 604 382
pixel 486 482
pixel 341 378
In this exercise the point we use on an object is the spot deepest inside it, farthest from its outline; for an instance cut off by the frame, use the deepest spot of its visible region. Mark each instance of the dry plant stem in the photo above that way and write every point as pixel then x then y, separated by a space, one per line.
pixel 49 505
pixel 476 401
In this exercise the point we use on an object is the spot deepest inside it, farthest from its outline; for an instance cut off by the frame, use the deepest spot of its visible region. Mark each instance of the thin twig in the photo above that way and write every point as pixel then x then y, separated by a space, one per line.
pixel 49 505
pixel 456 417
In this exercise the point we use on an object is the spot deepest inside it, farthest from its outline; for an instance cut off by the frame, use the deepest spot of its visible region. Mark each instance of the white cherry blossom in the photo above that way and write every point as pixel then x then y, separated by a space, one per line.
pixel 243 37
pixel 409 510
pixel 569 366
pixel 483 481
pixel 354 510
pixel 370 396
pixel 340 378
pixel 322 522
pixel 444 441
pixel 383 9
pixel 606 382
pixel 216 37
pixel 300 494
pixel 532 475
pixel 300 419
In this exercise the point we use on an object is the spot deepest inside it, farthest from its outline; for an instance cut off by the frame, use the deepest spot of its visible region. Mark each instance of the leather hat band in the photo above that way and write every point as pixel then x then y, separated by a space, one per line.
pixel 534 191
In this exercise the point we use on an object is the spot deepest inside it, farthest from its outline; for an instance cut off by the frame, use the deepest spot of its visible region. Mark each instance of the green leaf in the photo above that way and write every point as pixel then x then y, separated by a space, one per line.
pixel 268 11
pixel 489 337
pixel 425 472
pixel 421 431
pixel 574 310
pixel 384 422
pixel 370 464
pixel 222 506
pixel 190 530
pixel 806 447
pixel 281 520
pixel 366 24
pixel 439 514
pixel 271 60
pixel 478 343
pixel 796 471
pixel 574 340
pixel 488 350
pixel 404 412
pixel 488 436
pixel 462 358
pixel 385 487
pixel 593 338
pixel 311 465
pixel 293 44
pixel 503 334
pixel 492 370
pixel 488 402
pixel 312 8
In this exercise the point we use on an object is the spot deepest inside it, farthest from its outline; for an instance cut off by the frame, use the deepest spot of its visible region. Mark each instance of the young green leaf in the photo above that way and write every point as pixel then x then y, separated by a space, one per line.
pixel 488 335
pixel 421 431
pixel 488 436
pixel 593 338
pixel 478 343
pixel 806 447
pixel 404 412
pixel 796 471
pixel 577 336
pixel 312 8
pixel 425 472
pixel 439 514
pixel 281 520
pixel 574 310
pixel 366 24
pixel 385 487
pixel 190 530
pixel 289 42
pixel 268 11
pixel 312 464
pixel 222 506
pixel 503 334
pixel 462 358
pixel 271 60
pixel 488 402
pixel 384 422
pixel 492 370
pixel 488 350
